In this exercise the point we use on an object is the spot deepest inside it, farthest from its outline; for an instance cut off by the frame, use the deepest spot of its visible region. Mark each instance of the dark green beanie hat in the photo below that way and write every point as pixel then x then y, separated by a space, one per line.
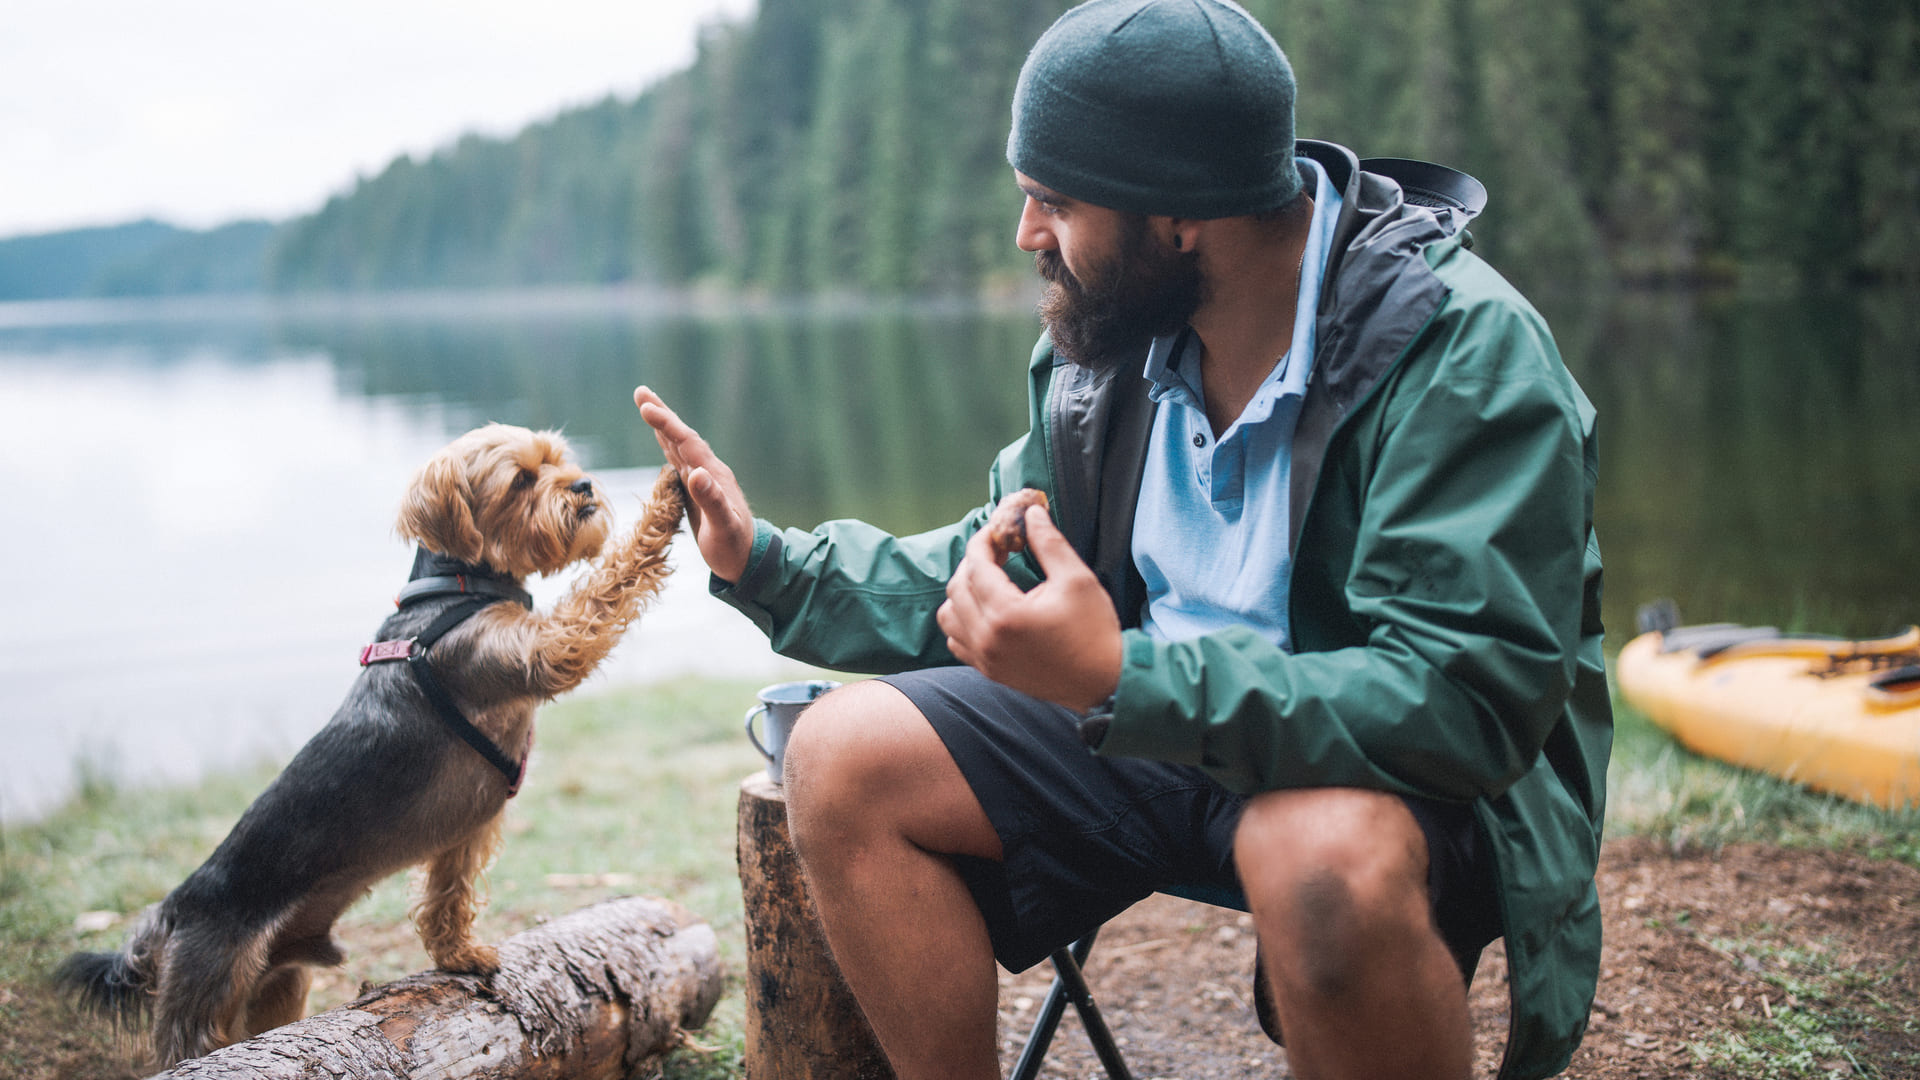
pixel 1177 107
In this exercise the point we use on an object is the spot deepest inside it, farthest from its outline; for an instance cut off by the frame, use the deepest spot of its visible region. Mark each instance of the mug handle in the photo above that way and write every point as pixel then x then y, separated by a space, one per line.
pixel 752 715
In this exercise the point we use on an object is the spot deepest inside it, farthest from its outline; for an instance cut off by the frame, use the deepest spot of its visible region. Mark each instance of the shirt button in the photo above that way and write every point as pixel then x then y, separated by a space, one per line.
pixel 1199 440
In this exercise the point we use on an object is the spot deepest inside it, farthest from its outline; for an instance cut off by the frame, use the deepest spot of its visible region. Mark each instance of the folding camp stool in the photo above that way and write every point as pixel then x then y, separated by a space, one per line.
pixel 1070 986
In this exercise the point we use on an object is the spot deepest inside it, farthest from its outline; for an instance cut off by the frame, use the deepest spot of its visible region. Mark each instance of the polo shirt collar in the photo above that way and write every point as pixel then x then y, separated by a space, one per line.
pixel 1169 358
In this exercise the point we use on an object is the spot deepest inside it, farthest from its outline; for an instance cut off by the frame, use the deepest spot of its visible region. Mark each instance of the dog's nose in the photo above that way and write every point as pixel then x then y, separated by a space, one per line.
pixel 582 486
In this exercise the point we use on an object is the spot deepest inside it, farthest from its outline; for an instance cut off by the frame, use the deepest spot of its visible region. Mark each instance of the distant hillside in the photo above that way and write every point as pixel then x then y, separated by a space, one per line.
pixel 858 145
pixel 146 258
pixel 556 203
pixel 825 144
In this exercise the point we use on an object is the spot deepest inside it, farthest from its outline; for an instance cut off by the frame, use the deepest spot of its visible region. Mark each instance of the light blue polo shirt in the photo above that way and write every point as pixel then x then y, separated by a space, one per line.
pixel 1211 534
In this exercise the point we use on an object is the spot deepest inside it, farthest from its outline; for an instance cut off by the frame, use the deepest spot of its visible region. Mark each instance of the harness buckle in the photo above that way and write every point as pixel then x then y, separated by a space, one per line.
pixel 386 650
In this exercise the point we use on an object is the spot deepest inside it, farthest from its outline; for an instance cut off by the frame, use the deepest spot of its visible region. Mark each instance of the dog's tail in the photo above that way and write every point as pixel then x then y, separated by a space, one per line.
pixel 106 984
pixel 119 985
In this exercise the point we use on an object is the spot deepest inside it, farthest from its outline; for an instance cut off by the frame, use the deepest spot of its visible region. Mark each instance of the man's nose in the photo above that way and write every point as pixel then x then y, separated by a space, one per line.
pixel 1032 234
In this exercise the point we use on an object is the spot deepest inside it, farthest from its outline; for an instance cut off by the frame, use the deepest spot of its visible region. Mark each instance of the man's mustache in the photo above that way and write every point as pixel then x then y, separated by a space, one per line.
pixel 1053 268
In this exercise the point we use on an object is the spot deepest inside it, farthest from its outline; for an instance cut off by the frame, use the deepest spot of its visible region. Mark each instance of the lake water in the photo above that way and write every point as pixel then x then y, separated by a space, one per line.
pixel 197 526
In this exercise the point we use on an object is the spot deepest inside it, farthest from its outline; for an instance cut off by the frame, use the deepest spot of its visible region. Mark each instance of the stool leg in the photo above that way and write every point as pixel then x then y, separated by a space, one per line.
pixel 1069 984
pixel 1051 1010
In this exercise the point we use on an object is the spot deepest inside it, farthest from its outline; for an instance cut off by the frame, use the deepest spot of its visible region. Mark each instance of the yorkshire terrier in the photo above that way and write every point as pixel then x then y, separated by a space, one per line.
pixel 418 763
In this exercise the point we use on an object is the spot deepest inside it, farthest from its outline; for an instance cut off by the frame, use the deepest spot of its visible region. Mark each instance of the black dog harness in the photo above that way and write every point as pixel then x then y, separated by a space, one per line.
pixel 435 575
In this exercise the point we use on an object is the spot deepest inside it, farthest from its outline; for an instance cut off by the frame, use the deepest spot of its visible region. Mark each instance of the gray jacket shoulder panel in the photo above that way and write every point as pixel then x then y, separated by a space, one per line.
pixel 1379 295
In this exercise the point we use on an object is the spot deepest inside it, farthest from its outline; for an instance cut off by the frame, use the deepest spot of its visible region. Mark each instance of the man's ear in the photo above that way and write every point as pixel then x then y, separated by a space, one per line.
pixel 1180 234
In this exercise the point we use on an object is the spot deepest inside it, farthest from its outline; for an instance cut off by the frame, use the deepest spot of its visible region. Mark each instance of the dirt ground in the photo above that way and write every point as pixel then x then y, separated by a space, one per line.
pixel 1697 945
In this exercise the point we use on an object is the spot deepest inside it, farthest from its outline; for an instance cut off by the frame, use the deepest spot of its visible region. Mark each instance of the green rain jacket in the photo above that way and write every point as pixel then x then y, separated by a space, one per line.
pixel 1445 600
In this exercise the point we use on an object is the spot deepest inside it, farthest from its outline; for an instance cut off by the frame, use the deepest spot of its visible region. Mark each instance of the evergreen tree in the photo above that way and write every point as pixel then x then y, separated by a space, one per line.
pixel 1659 190
pixel 859 144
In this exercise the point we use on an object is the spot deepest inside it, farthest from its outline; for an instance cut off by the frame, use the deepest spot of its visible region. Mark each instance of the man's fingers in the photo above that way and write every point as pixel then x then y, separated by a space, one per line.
pixel 983 606
pixel 958 616
pixel 1060 642
pixel 722 524
pixel 717 504
pixel 673 434
pixel 686 451
pixel 1050 547
pixel 982 576
pixel 660 418
pixel 707 494
pixel 959 619
pixel 981 546
pixel 683 446
pixel 962 653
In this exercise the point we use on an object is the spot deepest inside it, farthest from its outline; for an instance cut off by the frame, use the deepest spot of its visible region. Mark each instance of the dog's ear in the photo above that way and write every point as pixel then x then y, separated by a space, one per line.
pixel 438 510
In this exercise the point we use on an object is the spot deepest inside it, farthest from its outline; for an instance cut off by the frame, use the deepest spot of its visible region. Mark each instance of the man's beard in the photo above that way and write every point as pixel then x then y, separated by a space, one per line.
pixel 1144 291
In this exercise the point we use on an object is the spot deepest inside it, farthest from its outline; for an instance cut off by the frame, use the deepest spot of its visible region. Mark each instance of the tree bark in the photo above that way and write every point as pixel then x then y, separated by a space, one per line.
pixel 589 996
pixel 802 1022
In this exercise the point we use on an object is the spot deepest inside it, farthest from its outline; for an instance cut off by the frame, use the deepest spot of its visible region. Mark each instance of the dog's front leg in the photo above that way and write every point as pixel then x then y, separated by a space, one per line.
pixel 445 912
pixel 588 621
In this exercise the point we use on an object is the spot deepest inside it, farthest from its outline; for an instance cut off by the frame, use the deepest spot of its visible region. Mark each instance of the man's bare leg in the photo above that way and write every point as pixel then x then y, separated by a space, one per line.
pixel 1363 984
pixel 875 803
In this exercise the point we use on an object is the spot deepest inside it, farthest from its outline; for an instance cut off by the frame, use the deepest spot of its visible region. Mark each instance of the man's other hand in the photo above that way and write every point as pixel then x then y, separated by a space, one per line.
pixel 1059 642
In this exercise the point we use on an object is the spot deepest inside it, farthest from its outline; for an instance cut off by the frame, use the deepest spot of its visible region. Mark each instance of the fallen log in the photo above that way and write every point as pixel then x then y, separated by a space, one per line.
pixel 589 996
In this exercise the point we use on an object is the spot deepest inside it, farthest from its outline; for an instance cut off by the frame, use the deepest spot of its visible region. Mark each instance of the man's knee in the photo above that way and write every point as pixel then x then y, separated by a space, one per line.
pixel 829 760
pixel 1333 876
pixel 862 762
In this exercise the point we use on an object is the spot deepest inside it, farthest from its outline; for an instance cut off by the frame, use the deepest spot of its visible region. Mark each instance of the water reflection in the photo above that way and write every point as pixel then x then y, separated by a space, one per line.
pixel 200 498
pixel 892 416
pixel 1759 457
pixel 201 512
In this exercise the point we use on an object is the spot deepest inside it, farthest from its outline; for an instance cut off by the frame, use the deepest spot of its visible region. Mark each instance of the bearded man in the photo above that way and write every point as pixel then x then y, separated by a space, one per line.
pixel 1319 619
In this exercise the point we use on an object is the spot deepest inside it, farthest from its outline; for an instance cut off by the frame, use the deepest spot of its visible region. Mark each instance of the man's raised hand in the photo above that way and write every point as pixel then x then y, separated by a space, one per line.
pixel 716 509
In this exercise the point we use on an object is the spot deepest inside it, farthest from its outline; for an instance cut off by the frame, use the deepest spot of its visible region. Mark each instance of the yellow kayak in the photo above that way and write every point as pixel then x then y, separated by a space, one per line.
pixel 1837 716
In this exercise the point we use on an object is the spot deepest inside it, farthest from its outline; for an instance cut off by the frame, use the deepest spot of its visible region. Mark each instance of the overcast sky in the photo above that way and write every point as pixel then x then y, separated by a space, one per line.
pixel 200 112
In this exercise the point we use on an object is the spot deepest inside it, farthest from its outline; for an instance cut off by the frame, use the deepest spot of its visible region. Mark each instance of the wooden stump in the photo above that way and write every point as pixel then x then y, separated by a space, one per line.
pixel 802 1021
pixel 593 995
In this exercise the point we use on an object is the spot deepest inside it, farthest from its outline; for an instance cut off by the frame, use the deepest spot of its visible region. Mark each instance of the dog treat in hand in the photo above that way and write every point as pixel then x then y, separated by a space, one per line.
pixel 1007 528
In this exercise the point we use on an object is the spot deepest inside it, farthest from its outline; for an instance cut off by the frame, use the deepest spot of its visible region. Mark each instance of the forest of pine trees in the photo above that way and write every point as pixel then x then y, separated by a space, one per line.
pixel 858 145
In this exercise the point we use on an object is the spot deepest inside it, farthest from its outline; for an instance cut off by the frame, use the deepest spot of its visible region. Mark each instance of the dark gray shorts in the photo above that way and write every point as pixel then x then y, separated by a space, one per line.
pixel 1086 837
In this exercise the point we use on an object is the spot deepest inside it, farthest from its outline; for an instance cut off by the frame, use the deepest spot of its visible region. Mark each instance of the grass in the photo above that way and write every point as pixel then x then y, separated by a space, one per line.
pixel 634 792
pixel 1827 1010
pixel 1657 788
